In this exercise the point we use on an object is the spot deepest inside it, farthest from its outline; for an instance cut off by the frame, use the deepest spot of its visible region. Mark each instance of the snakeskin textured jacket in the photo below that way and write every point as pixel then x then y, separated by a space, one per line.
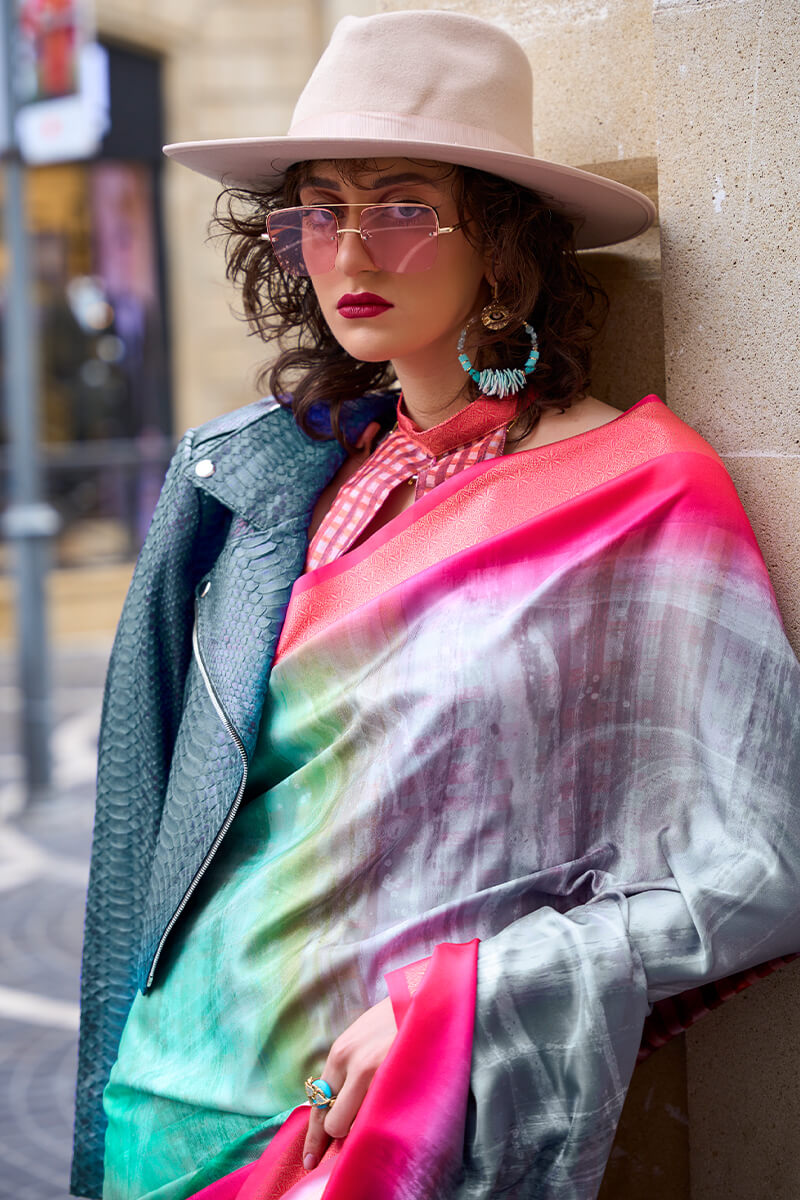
pixel 184 693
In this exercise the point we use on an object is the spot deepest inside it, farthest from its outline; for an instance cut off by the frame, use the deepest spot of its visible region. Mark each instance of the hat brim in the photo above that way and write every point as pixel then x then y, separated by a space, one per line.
pixel 606 211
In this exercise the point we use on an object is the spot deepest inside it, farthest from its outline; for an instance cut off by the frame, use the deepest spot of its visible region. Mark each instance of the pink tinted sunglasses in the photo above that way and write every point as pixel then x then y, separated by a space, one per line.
pixel 398 237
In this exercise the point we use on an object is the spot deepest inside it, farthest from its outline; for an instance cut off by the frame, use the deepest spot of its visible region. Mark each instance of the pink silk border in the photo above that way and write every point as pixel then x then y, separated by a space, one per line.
pixel 463 512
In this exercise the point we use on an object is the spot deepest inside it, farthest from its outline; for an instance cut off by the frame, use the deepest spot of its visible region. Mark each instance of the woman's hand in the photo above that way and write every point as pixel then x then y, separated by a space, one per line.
pixel 353 1059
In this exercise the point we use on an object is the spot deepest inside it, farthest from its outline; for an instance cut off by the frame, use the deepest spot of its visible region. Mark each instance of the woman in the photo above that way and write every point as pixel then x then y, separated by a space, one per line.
pixel 433 755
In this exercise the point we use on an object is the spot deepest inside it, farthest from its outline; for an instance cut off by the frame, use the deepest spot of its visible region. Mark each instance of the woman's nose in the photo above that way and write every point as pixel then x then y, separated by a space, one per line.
pixel 352 255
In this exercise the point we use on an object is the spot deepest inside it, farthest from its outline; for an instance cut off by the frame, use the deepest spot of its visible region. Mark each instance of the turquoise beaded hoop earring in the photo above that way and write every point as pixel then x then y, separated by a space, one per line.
pixel 500 381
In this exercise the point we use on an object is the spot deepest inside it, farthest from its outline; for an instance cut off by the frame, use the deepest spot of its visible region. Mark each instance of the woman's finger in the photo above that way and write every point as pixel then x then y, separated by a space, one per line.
pixel 352 1061
pixel 339 1118
pixel 317 1139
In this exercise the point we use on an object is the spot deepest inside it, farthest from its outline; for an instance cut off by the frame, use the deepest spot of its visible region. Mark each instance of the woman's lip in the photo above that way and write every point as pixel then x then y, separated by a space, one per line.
pixel 359 305
pixel 353 312
pixel 363 300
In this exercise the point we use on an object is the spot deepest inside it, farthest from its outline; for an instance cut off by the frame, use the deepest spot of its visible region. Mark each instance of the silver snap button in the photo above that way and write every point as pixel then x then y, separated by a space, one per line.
pixel 204 468
pixel 205 588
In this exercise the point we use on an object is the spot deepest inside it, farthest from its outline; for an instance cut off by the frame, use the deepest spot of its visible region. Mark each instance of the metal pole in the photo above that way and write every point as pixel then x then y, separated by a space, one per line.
pixel 28 522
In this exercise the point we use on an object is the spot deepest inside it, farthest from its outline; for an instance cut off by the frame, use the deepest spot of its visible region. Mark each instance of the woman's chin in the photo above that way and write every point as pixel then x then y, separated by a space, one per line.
pixel 365 346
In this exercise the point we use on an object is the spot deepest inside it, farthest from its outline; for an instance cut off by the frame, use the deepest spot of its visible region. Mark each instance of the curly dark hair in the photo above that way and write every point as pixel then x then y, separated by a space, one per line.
pixel 540 281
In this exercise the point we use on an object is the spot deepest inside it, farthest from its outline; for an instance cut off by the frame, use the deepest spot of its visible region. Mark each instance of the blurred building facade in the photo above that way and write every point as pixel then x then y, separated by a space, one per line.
pixel 684 99
pixel 105 421
pixel 137 332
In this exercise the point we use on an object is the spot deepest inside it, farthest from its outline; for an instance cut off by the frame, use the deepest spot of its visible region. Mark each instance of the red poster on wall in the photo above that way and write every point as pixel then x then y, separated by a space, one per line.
pixel 61 82
pixel 51 33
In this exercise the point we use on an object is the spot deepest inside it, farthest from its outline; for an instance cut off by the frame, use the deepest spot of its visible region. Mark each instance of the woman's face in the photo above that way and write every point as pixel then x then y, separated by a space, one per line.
pixel 424 311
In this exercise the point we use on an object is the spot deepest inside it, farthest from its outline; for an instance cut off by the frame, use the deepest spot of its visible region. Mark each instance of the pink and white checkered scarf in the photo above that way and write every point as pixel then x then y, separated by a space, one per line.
pixel 409 455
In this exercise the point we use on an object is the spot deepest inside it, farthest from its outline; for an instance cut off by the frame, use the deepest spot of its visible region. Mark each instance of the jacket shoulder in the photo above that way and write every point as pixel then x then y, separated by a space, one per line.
pixel 232 422
pixel 354 416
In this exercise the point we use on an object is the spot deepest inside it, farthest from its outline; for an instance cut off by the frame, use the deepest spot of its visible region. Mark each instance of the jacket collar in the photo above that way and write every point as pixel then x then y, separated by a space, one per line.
pixel 265 469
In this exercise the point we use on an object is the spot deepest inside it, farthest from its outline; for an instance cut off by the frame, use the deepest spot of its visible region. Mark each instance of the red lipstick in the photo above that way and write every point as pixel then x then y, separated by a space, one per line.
pixel 362 304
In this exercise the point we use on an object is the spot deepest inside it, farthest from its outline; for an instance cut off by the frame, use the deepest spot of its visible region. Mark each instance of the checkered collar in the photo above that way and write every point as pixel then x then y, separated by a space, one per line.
pixel 423 458
pixel 471 424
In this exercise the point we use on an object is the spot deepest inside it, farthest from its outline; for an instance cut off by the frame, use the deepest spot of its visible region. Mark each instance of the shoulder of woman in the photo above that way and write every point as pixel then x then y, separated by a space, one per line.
pixel 555 425
pixel 649 418
pixel 648 430
pixel 675 433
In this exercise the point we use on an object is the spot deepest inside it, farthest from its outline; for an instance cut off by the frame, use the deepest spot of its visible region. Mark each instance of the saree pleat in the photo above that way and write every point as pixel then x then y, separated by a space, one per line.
pixel 551 708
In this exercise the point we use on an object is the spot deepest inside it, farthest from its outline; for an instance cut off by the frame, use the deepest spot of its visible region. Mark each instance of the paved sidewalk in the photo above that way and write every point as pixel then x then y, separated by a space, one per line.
pixel 44 854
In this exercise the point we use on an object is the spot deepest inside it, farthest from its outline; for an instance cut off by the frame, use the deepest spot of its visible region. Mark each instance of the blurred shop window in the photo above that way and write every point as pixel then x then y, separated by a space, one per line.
pixel 105 414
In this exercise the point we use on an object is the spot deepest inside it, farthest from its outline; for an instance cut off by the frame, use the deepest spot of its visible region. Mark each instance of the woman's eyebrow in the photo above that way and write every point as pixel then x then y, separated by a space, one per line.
pixel 382 181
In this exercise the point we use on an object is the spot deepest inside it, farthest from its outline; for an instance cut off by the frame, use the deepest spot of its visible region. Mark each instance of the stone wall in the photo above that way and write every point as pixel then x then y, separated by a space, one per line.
pixel 729 166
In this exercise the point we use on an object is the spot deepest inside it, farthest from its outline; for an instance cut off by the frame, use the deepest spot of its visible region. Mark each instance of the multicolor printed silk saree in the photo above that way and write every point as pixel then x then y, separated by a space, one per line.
pixel 550 707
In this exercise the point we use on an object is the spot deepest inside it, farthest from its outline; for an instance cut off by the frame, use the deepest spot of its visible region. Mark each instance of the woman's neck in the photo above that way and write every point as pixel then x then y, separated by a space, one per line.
pixel 432 391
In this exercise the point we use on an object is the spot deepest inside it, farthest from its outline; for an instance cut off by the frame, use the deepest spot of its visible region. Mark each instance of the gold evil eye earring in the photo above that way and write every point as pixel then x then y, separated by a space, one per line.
pixel 495 315
pixel 499 381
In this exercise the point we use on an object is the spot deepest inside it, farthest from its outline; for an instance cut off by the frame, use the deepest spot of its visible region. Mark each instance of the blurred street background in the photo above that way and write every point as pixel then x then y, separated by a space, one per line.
pixel 44 850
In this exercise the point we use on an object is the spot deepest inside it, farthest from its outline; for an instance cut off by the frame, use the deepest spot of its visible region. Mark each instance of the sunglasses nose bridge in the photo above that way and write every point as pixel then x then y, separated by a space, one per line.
pixel 348 247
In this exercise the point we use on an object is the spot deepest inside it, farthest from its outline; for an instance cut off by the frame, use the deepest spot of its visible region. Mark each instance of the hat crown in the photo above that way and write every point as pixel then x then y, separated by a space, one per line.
pixel 417 69
pixel 425 84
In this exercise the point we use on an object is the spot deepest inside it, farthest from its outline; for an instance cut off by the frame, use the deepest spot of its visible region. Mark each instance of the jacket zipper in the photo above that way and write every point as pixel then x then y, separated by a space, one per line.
pixel 226 824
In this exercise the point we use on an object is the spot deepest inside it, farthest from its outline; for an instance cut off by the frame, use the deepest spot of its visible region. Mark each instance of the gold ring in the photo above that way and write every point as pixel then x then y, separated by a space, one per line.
pixel 320 1093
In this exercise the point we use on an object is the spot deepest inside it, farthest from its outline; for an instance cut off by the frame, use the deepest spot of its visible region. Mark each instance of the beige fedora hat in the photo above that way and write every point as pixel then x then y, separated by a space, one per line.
pixel 431 85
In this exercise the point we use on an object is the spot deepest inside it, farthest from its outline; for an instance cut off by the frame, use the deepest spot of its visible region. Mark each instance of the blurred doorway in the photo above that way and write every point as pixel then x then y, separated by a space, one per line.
pixel 105 413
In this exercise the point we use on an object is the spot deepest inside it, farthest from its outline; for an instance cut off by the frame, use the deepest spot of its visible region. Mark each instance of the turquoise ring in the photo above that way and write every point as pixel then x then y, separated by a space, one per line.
pixel 320 1093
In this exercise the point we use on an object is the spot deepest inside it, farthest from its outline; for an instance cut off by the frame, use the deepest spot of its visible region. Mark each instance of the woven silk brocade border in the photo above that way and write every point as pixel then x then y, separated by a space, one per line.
pixel 480 503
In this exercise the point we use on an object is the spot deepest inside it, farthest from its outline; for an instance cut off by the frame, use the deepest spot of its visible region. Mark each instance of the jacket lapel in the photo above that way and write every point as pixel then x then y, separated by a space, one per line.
pixel 269 474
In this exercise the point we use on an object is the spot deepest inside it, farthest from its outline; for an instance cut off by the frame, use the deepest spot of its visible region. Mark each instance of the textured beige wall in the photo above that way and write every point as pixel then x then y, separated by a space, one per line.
pixel 744 1099
pixel 628 359
pixel 729 165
